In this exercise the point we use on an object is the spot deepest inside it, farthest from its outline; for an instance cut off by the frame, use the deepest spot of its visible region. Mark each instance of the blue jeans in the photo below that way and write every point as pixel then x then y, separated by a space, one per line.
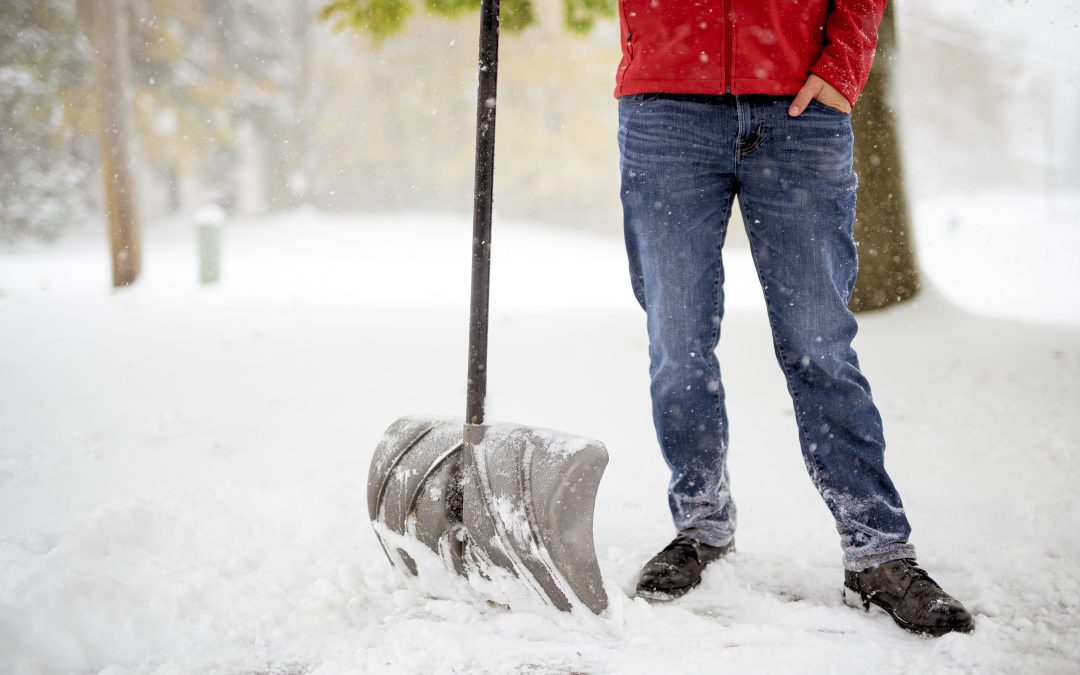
pixel 684 159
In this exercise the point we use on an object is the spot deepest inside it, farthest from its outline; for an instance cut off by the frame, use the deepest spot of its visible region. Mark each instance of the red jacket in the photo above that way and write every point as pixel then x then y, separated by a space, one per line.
pixel 746 46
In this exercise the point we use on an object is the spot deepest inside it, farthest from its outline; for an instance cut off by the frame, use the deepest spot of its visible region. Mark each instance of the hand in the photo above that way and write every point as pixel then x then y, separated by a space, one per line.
pixel 825 93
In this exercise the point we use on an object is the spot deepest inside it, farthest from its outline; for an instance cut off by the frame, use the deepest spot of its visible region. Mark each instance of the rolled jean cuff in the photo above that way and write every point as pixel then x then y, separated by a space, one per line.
pixel 862 560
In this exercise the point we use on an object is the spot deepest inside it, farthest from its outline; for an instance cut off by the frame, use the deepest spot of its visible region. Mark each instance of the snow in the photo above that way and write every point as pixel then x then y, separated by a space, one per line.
pixel 182 467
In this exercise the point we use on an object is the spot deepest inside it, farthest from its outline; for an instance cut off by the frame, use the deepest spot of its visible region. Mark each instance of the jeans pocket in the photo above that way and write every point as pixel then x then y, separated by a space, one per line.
pixel 818 105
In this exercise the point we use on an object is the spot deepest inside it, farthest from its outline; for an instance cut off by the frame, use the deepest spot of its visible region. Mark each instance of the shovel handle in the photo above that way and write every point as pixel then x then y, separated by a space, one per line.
pixel 476 389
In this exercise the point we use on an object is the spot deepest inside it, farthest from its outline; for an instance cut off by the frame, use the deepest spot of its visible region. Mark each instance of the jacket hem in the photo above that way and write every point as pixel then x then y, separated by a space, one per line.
pixel 739 87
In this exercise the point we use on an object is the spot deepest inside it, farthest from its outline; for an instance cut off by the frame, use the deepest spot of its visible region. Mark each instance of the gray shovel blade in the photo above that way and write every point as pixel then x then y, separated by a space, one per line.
pixel 514 497
pixel 528 508
pixel 414 488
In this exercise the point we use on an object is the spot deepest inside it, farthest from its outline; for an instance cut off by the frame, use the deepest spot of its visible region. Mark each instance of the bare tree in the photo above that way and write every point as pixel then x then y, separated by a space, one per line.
pixel 112 74
pixel 887 270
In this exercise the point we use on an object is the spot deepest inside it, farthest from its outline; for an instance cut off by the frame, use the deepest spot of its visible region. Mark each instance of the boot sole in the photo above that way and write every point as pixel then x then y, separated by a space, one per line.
pixel 665 596
pixel 853 599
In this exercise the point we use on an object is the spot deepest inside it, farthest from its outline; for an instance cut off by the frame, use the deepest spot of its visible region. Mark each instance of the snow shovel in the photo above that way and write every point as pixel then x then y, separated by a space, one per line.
pixel 493 501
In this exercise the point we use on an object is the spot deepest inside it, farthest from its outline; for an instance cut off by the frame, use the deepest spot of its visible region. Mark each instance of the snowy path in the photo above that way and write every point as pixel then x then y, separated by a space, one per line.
pixel 182 469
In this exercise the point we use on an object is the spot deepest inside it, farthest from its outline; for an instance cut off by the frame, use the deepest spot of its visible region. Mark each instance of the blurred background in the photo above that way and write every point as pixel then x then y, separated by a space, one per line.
pixel 266 106
pixel 262 106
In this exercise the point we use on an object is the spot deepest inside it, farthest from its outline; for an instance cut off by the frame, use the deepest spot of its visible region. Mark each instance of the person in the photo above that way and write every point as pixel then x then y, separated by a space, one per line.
pixel 751 98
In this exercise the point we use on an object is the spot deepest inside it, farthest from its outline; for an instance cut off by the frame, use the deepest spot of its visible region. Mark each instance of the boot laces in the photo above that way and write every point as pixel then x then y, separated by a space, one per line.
pixel 915 572
pixel 910 569
pixel 686 542
pixel 680 541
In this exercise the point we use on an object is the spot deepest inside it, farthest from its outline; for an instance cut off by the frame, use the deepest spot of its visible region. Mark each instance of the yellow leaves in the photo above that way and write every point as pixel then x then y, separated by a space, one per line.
pixel 383 18
pixel 379 18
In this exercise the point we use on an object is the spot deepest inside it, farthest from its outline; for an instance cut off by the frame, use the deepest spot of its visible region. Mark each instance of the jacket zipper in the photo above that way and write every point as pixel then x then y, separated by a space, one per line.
pixel 728 39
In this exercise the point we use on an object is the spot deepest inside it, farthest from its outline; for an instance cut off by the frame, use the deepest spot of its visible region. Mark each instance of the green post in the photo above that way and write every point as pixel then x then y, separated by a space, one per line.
pixel 208 222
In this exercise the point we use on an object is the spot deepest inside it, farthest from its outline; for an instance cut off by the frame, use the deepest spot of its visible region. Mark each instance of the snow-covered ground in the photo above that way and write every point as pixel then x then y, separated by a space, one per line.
pixel 182 468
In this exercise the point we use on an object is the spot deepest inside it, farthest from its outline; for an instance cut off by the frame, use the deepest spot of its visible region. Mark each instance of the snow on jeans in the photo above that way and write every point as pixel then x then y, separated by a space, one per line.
pixel 684 159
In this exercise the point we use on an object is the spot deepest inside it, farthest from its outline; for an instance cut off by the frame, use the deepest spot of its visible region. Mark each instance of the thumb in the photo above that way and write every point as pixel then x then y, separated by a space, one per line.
pixel 809 90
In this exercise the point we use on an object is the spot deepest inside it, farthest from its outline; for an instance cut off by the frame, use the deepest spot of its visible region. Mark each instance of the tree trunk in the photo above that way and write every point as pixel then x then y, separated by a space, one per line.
pixel 112 74
pixel 887 270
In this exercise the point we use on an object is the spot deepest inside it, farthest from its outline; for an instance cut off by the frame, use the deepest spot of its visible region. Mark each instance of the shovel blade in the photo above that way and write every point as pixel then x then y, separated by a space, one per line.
pixel 529 496
pixel 414 489
pixel 480 496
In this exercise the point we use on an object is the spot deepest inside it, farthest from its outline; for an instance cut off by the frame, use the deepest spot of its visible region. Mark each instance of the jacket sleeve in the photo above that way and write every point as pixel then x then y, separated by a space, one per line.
pixel 851 33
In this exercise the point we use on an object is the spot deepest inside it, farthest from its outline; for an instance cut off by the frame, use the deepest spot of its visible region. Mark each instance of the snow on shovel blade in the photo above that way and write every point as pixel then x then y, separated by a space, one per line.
pixel 503 496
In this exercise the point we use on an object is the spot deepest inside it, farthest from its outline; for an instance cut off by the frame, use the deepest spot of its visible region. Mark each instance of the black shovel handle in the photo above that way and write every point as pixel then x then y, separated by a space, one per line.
pixel 476 389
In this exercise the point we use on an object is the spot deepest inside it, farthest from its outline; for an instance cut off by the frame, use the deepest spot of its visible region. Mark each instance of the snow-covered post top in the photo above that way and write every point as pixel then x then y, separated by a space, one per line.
pixel 208 222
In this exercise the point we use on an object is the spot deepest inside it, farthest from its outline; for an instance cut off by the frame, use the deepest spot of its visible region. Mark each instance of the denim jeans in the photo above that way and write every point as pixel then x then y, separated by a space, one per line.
pixel 684 159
